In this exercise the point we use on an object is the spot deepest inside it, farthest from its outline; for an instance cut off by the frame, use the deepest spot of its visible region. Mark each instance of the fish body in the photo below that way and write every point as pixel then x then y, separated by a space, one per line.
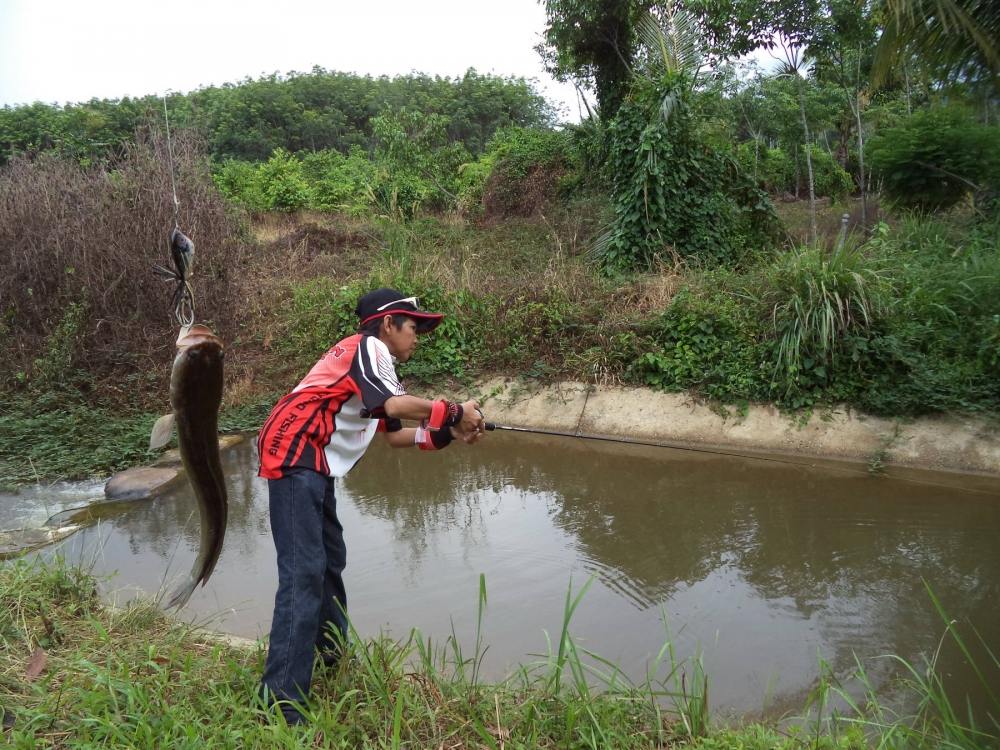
pixel 195 396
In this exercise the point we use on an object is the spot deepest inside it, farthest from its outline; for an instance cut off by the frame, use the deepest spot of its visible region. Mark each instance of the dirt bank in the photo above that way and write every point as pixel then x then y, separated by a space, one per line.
pixel 956 444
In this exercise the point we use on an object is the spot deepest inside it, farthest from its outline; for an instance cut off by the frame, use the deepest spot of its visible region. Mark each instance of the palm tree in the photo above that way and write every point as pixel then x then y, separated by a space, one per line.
pixel 959 37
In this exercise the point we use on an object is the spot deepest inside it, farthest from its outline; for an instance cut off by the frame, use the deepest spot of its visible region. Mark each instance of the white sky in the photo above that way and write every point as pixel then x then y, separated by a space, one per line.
pixel 60 51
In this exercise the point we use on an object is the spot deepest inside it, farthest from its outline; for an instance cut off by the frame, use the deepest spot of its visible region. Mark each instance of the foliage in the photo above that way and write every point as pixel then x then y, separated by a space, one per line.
pixel 340 183
pixel 823 305
pixel 830 178
pixel 79 244
pixel 528 169
pixel 775 172
pixel 673 193
pixel 321 312
pixel 708 343
pixel 594 42
pixel 297 112
pixel 934 158
pixel 282 183
pixel 54 434
pixel 956 38
pixel 940 343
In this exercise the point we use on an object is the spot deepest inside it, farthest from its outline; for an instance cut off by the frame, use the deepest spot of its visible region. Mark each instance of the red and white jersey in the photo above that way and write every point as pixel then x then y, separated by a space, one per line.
pixel 319 424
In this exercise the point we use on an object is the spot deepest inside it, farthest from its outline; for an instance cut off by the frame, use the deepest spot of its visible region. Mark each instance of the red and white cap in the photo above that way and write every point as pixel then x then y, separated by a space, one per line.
pixel 386 301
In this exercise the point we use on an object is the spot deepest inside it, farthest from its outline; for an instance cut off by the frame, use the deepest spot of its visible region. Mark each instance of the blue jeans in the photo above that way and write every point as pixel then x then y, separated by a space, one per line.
pixel 310 606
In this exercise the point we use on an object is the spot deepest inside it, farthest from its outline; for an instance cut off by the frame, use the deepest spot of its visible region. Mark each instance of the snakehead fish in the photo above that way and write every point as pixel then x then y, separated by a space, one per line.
pixel 195 396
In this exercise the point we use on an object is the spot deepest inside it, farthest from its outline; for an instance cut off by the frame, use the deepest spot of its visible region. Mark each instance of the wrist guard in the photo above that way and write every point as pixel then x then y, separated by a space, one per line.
pixel 432 440
pixel 445 414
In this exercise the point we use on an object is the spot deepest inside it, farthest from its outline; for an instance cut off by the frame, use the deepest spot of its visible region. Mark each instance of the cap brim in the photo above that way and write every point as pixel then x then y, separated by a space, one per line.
pixel 426 321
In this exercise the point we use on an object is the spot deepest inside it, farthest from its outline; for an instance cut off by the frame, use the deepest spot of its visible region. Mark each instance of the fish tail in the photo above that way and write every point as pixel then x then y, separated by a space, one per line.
pixel 182 593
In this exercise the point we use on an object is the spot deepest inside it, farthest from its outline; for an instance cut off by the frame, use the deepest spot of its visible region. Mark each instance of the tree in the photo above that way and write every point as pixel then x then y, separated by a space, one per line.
pixel 594 43
pixel 674 192
pixel 959 38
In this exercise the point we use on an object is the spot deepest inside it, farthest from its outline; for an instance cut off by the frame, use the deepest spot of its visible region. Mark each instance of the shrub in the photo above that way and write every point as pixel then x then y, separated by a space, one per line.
pixel 709 343
pixel 829 178
pixel 771 168
pixel 821 305
pixel 321 313
pixel 338 182
pixel 934 158
pixel 75 274
pixel 239 182
pixel 527 167
pixel 938 350
pixel 673 193
pixel 283 183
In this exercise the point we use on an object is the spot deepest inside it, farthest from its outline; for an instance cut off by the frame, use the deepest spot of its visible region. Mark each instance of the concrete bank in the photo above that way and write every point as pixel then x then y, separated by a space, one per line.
pixel 950 444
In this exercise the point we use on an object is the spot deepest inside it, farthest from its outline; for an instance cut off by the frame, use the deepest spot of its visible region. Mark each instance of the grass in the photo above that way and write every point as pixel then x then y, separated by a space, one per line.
pixel 75 674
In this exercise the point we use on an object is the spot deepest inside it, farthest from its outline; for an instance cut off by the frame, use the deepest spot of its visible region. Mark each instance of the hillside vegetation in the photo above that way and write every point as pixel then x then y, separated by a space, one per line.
pixel 824 233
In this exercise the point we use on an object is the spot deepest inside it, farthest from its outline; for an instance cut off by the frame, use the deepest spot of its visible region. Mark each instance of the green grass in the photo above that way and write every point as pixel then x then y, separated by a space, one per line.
pixel 130 678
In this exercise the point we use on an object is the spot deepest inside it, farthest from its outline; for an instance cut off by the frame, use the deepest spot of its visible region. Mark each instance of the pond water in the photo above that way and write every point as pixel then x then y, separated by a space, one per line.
pixel 763 567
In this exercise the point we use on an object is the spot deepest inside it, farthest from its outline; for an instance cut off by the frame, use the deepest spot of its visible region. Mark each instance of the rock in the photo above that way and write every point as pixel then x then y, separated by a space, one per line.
pixel 19 541
pixel 139 483
pixel 172 457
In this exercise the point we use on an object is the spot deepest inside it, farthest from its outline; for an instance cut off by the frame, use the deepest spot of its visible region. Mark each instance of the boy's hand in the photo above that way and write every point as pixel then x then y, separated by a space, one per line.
pixel 466 437
pixel 472 419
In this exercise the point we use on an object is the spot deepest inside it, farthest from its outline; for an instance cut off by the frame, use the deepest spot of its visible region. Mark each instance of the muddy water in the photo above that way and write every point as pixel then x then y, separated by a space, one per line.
pixel 762 567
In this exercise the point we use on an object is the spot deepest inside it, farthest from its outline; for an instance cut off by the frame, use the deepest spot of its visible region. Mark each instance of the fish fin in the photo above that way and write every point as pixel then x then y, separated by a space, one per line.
pixel 182 593
pixel 162 431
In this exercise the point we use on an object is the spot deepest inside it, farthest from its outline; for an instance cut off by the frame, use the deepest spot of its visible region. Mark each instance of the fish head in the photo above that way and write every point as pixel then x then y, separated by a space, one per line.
pixel 196 334
pixel 182 252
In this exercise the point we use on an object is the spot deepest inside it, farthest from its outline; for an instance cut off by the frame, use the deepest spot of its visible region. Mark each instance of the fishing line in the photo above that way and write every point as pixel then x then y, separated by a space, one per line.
pixel 170 159
pixel 490 426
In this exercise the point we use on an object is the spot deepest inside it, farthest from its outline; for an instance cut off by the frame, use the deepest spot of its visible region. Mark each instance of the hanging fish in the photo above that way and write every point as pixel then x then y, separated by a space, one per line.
pixel 195 397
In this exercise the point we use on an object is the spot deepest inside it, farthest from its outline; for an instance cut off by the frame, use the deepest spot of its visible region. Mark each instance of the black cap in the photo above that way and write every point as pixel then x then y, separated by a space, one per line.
pixel 392 302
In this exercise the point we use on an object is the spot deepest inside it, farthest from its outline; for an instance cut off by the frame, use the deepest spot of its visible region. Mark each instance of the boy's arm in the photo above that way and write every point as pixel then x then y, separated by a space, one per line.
pixel 412 407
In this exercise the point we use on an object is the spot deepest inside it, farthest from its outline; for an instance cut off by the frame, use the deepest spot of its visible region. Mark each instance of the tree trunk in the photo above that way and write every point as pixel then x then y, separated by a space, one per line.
pixel 861 162
pixel 809 168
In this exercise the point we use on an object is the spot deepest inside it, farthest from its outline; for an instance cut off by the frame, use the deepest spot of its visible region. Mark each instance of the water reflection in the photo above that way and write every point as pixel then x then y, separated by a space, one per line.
pixel 764 566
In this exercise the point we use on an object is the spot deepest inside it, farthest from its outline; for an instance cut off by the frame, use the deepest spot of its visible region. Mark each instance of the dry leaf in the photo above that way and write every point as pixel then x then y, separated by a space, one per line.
pixel 35 664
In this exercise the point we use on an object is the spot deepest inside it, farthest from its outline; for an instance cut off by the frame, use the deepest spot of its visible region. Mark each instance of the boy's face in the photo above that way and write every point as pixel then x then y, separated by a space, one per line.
pixel 402 341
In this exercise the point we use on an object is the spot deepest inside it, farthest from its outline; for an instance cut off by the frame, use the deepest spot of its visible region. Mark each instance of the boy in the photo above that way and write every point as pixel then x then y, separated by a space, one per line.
pixel 316 433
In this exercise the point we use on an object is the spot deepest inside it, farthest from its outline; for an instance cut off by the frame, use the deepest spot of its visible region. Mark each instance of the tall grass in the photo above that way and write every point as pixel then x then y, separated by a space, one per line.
pixel 936 720
pixel 818 298
pixel 74 674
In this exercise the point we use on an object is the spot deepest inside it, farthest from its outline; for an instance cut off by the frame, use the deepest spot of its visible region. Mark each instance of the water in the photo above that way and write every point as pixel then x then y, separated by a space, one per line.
pixel 762 567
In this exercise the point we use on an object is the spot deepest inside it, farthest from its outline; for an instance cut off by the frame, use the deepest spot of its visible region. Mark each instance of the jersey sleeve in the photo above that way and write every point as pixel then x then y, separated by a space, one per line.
pixel 375 375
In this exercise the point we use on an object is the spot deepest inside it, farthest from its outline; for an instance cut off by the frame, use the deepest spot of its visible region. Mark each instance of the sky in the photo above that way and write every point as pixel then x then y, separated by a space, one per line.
pixel 60 51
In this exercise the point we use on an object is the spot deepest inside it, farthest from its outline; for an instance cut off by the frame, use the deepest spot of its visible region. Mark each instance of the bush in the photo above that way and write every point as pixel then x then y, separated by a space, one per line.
pixel 322 312
pixel 934 158
pixel 823 307
pixel 673 193
pixel 239 182
pixel 283 182
pixel 525 170
pixel 939 347
pixel 338 182
pixel 79 245
pixel 709 343
pixel 774 170
pixel 829 178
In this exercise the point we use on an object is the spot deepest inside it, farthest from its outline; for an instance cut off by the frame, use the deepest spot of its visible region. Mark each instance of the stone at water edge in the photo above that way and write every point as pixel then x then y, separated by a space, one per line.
pixel 139 483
